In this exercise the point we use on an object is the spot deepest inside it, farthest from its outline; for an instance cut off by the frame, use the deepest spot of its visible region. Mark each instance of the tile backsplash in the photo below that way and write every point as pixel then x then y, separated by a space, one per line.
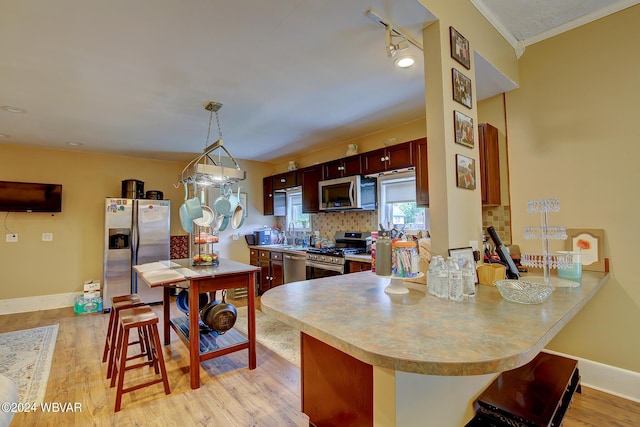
pixel 500 218
pixel 328 223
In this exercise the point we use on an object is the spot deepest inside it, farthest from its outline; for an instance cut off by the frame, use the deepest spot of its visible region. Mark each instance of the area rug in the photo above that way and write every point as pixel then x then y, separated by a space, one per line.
pixel 278 337
pixel 25 358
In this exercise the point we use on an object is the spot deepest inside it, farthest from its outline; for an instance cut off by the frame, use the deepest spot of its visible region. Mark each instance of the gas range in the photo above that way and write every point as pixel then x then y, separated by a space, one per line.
pixel 347 242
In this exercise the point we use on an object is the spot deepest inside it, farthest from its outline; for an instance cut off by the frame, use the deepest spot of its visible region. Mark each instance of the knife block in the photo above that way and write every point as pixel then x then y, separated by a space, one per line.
pixel 487 273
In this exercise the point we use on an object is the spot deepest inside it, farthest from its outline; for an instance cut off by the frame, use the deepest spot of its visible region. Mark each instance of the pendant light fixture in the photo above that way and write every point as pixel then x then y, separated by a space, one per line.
pixel 208 169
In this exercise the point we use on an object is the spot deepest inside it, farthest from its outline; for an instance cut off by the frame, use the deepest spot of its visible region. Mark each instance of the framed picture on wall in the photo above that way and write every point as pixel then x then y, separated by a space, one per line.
pixel 463 126
pixel 590 244
pixel 461 88
pixel 465 172
pixel 460 48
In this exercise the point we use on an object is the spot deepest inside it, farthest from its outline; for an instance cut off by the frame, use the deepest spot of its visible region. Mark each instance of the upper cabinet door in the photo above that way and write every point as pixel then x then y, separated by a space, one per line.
pixel 489 164
pixel 310 177
pixel 267 194
pixel 389 158
pixel 374 161
pixel 342 167
pixel 400 156
pixel 285 180
pixel 422 172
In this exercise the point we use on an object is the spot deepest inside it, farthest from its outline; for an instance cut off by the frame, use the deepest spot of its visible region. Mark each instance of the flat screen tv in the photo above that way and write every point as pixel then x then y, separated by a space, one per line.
pixel 30 197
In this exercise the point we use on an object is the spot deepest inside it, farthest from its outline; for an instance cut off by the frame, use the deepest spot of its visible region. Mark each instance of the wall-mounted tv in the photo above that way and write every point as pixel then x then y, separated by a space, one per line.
pixel 30 197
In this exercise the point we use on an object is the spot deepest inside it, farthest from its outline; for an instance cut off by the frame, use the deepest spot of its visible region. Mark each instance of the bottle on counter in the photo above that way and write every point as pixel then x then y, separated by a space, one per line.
pixel 441 276
pixel 455 279
pixel 383 254
pixel 468 278
pixel 432 276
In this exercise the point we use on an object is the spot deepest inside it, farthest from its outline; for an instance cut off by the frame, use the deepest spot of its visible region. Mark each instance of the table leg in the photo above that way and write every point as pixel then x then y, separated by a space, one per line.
pixel 166 308
pixel 251 318
pixel 194 333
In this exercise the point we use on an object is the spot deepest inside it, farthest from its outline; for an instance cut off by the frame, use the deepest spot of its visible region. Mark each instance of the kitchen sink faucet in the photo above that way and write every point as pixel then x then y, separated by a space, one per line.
pixel 291 231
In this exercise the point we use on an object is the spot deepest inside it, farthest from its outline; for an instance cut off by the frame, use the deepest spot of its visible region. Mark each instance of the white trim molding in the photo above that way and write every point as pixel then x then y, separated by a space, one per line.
pixel 606 378
pixel 41 302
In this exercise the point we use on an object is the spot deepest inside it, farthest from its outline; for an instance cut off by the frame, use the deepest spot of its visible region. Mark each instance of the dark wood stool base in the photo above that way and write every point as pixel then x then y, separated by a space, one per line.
pixel 142 318
pixel 118 303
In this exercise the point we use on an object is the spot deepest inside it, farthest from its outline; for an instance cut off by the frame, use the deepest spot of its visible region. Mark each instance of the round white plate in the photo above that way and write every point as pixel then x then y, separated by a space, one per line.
pixel 207 217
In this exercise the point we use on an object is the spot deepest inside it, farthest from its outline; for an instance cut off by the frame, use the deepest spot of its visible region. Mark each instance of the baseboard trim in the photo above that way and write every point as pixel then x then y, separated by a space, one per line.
pixel 41 302
pixel 606 378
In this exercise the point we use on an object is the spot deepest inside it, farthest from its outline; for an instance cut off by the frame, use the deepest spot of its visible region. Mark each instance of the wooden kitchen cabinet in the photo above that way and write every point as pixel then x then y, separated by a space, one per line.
pixel 347 166
pixel 422 172
pixel 285 180
pixel 254 259
pixel 271 269
pixel 387 159
pixel 309 178
pixel 274 202
pixel 267 195
pixel 489 164
pixel 357 266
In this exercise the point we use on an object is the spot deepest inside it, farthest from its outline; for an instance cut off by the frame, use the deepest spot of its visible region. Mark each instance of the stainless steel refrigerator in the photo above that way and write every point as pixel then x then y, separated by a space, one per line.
pixel 136 232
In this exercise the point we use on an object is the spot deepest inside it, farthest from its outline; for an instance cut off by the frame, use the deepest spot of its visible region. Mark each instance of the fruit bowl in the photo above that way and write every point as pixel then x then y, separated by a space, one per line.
pixel 523 291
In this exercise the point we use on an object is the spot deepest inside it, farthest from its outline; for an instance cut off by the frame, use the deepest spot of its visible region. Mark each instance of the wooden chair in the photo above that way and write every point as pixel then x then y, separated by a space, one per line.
pixel 118 303
pixel 135 318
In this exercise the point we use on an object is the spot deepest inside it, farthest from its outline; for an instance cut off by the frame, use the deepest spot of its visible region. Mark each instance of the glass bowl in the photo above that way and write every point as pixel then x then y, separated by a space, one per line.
pixel 523 291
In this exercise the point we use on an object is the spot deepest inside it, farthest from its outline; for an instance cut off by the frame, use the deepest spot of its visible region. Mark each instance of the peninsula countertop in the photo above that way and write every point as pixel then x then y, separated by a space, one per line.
pixel 420 333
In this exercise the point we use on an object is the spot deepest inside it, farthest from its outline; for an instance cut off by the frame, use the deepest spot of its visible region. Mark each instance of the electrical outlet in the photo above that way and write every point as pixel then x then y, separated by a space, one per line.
pixel 47 237
pixel 12 237
pixel 473 244
pixel 235 236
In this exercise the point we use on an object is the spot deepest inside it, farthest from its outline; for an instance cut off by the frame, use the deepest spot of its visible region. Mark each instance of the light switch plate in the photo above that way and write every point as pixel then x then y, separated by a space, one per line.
pixel 47 237
pixel 12 237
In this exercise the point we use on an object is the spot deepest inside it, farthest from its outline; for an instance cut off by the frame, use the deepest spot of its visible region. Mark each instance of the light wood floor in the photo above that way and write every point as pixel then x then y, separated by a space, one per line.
pixel 230 395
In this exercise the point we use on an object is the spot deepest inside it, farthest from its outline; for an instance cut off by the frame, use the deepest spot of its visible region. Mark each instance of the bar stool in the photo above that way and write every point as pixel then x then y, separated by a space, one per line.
pixel 119 303
pixel 135 318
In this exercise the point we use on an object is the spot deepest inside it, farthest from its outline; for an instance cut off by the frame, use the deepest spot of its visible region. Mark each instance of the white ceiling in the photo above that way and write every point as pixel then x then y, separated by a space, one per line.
pixel 132 77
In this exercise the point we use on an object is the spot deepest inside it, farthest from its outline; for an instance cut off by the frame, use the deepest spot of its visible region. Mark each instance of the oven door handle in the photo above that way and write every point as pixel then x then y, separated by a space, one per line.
pixel 336 268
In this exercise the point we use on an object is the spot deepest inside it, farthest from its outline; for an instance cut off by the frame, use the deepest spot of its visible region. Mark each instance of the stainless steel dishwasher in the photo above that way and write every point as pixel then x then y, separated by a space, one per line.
pixel 295 267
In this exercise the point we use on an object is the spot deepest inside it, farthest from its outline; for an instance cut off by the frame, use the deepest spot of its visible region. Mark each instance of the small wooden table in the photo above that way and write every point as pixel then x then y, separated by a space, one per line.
pixel 204 279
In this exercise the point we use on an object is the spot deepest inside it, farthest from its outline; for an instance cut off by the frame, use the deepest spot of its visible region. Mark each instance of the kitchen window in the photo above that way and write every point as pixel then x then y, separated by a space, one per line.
pixel 300 221
pixel 397 203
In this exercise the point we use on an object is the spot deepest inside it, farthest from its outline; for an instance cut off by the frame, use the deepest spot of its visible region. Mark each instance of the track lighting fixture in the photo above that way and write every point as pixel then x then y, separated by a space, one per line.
pixel 397 41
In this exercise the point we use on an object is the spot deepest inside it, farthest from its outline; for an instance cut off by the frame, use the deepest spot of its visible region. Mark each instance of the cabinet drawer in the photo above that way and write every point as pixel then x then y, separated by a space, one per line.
pixel 264 254
pixel 276 255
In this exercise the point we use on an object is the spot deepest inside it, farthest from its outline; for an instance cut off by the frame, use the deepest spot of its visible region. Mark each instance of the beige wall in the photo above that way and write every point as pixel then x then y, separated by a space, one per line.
pixel 31 267
pixel 573 134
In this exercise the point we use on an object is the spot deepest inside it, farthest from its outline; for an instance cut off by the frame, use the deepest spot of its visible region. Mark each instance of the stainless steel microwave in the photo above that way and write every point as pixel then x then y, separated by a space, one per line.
pixel 351 192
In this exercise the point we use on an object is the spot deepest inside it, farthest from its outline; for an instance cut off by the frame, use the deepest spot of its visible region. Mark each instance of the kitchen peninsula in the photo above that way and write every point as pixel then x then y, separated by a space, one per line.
pixel 412 359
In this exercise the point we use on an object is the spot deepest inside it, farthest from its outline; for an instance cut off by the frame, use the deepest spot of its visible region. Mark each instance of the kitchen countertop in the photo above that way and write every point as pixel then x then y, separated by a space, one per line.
pixel 280 248
pixel 358 257
pixel 420 333
pixel 299 249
